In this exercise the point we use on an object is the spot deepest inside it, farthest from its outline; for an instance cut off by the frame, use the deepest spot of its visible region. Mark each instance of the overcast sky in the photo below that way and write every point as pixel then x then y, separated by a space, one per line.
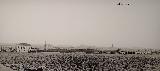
pixel 81 22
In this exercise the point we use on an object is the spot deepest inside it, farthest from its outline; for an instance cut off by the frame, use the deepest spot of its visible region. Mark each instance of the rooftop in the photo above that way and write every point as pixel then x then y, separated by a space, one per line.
pixel 24 44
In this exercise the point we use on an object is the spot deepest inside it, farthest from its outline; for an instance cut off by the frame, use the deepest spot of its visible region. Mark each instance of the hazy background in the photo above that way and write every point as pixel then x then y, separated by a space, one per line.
pixel 81 22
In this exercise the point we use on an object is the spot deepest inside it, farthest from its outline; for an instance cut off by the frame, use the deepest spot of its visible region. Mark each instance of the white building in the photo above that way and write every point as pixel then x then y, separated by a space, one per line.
pixel 23 47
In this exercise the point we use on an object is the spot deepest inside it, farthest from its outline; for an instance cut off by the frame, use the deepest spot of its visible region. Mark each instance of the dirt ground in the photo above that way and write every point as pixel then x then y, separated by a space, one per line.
pixel 3 68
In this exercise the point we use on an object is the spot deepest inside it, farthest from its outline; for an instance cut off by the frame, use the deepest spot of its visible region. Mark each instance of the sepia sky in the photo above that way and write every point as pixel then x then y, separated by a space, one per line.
pixel 81 22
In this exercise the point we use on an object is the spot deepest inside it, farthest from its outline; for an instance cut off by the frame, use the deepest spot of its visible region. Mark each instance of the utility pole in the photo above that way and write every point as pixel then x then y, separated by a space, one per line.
pixel 112 45
pixel 45 45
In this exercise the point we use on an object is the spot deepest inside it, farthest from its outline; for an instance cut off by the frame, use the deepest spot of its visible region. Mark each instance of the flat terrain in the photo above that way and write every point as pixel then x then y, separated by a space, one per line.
pixel 3 68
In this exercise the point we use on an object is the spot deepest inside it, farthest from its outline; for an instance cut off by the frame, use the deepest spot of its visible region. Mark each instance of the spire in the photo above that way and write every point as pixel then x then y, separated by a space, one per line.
pixel 45 45
pixel 112 45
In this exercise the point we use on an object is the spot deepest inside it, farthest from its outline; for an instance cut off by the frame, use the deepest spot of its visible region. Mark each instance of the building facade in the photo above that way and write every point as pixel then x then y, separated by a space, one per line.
pixel 7 47
pixel 23 47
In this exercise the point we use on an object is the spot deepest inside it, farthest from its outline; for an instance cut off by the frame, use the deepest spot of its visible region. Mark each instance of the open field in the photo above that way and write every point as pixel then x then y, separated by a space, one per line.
pixel 80 62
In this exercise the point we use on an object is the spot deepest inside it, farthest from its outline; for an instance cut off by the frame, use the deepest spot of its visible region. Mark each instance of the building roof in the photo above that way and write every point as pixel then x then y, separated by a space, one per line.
pixel 24 44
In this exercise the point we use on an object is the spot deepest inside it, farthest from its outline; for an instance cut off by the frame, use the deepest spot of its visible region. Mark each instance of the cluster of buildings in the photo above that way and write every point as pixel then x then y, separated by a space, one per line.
pixel 21 47
pixel 25 47
pixel 137 51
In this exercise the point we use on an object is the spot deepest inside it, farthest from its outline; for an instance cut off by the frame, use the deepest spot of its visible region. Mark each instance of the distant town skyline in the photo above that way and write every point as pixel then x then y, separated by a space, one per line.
pixel 81 22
